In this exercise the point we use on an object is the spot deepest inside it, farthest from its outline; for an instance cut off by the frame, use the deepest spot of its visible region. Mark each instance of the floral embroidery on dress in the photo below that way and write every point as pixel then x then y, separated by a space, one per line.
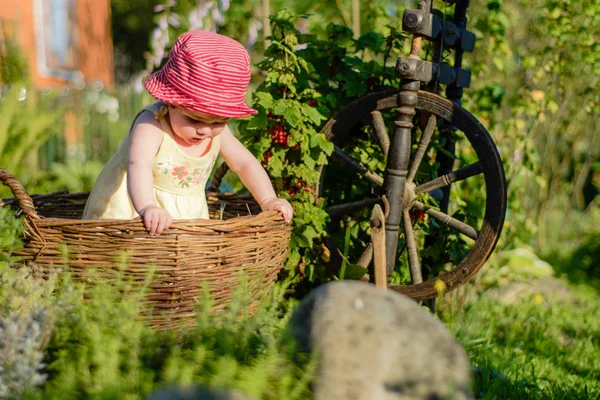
pixel 183 176
pixel 180 172
pixel 166 166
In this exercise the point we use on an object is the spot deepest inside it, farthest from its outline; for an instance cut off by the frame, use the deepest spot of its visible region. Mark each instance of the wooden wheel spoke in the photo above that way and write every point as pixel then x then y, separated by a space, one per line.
pixel 381 134
pixel 423 144
pixel 344 157
pixel 365 258
pixel 454 176
pixel 411 245
pixel 445 219
pixel 351 207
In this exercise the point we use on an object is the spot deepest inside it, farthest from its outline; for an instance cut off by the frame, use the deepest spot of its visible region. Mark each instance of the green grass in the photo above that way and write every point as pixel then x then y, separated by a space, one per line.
pixel 539 349
pixel 100 349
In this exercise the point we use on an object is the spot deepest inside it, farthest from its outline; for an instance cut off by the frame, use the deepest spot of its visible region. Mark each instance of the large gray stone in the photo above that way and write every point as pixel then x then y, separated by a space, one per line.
pixel 376 345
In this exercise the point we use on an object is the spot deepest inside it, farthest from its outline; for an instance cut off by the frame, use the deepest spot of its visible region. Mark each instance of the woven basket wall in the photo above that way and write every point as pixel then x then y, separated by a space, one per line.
pixel 190 254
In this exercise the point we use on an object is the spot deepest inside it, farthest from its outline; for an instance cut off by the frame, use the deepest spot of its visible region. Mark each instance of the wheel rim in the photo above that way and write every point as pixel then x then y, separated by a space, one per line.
pixel 479 139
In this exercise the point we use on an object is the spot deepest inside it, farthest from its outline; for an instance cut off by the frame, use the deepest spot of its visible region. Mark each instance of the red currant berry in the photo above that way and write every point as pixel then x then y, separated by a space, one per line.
pixel 266 156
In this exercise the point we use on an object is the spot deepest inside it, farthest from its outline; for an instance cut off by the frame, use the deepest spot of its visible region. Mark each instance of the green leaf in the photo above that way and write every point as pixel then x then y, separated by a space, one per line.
pixel 275 166
pixel 293 259
pixel 312 113
pixel 320 141
pixel 332 100
pixel 354 272
pixel 371 40
pixel 263 99
pixel 317 140
pixel 310 233
pixel 259 121
pixel 280 107
pixel 356 88
pixel 308 161
pixel 322 159
pixel 292 115
pixel 272 76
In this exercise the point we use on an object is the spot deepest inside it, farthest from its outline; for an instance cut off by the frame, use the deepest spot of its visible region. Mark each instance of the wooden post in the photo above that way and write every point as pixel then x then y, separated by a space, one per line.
pixel 378 239
pixel 266 5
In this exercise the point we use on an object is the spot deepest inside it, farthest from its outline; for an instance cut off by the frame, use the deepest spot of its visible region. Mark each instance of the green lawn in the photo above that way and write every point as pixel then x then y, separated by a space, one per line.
pixel 541 348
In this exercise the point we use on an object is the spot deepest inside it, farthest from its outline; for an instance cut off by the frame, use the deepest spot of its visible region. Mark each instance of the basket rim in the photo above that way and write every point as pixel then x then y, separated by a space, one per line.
pixel 263 215
pixel 27 207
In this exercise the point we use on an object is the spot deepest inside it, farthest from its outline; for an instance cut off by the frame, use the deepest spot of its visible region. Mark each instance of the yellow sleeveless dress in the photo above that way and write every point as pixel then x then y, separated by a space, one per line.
pixel 179 178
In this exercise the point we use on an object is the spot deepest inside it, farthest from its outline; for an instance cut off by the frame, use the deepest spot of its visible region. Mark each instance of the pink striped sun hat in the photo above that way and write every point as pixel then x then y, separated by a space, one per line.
pixel 207 73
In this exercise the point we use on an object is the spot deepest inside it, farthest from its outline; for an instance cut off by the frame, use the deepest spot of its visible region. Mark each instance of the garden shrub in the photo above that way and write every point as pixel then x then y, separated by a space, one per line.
pixel 307 81
pixel 102 348
pixel 26 316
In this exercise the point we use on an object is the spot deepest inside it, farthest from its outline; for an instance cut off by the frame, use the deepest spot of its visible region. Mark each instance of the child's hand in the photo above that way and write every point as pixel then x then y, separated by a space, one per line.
pixel 281 205
pixel 156 219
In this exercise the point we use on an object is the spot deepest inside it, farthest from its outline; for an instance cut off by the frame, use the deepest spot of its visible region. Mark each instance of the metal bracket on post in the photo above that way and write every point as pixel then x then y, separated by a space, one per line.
pixel 429 26
pixel 414 69
pixel 426 71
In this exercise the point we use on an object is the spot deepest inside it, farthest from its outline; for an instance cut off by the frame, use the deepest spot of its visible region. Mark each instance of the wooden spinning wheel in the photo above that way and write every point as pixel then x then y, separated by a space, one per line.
pixel 479 232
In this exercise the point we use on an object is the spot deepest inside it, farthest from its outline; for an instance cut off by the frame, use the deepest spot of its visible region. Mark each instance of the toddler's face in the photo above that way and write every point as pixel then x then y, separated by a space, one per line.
pixel 193 127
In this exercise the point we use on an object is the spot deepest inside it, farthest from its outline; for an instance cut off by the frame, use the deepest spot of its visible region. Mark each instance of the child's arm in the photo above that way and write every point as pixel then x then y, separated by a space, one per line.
pixel 252 174
pixel 146 138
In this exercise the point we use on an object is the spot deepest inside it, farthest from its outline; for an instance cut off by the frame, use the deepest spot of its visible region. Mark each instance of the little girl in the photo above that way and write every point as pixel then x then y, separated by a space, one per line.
pixel 160 170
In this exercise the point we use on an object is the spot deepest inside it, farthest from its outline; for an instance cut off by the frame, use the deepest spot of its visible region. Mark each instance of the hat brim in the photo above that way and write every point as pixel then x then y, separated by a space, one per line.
pixel 158 86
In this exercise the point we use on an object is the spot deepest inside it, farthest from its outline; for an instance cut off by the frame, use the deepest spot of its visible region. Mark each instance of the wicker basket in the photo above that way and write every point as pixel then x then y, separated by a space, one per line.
pixel 189 254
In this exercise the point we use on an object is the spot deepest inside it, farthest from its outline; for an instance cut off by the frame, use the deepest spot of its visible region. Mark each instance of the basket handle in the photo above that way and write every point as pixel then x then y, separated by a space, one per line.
pixel 20 193
pixel 215 182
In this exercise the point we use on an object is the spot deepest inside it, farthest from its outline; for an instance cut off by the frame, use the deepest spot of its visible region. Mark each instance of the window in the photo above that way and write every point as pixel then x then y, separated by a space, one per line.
pixel 55 35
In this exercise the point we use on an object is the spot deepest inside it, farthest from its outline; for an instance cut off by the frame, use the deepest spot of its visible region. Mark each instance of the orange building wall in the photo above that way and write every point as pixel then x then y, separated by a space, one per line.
pixel 94 51
pixel 95 57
